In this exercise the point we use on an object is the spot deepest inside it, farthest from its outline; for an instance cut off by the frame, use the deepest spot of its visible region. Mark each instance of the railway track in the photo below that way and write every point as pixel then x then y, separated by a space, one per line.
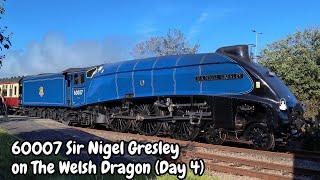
pixel 256 168
pixel 236 163
pixel 296 154
pixel 226 159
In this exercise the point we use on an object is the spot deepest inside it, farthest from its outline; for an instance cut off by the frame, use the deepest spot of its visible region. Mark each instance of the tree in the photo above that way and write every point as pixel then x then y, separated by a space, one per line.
pixel 171 44
pixel 4 36
pixel 297 61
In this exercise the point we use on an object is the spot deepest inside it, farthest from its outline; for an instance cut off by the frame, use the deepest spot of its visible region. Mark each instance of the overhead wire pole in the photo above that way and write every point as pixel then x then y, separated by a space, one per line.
pixel 255 51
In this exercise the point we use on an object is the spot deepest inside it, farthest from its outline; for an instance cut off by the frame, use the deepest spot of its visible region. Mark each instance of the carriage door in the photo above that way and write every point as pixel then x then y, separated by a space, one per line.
pixel 78 89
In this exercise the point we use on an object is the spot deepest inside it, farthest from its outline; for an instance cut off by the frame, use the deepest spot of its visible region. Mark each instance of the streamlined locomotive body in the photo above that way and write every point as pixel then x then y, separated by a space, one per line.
pixel 218 96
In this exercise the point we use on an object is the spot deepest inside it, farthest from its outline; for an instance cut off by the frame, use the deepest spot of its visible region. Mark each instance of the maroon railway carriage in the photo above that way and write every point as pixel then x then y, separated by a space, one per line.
pixel 11 90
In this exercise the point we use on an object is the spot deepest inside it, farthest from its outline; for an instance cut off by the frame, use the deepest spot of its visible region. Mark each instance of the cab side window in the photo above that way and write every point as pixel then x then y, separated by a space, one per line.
pixel 82 79
pixel 76 79
pixel 79 79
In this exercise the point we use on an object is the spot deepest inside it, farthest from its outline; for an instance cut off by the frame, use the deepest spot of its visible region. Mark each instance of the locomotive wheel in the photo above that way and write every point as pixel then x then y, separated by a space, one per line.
pixel 50 114
pixel 69 119
pixel 92 125
pixel 28 112
pixel 93 122
pixel 183 130
pixel 119 125
pixel 150 127
pixel 43 114
pixel 61 115
pixel 36 112
pixel 212 135
pixel 66 121
pixel 39 113
pixel 260 136
pixel 54 114
pixel 32 112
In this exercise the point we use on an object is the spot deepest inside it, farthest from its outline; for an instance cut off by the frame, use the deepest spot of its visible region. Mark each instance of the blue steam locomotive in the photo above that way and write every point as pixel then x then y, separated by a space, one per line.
pixel 219 96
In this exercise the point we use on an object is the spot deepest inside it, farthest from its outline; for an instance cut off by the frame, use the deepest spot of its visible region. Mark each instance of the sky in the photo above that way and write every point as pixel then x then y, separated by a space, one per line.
pixel 50 36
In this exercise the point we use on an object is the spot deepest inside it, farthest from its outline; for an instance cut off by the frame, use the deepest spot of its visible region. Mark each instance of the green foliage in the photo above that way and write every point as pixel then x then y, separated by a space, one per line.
pixel 7 158
pixel 296 59
pixel 171 44
pixel 5 37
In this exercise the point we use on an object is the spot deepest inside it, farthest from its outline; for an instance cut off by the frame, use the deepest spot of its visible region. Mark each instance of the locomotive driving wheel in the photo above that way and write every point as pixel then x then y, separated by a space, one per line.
pixel 212 135
pixel 147 127
pixel 118 124
pixel 183 130
pixel 260 136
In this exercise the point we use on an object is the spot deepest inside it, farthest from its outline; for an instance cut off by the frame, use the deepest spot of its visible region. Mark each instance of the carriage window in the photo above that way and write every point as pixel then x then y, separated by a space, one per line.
pixel 76 79
pixel 91 72
pixel 10 92
pixel 4 92
pixel 82 79
pixel 15 90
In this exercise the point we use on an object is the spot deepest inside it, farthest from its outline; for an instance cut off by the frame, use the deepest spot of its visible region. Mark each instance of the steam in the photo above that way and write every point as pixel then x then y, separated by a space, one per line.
pixel 54 54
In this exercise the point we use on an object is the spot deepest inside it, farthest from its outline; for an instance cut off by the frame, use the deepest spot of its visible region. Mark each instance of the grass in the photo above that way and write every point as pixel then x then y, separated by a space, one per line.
pixel 7 159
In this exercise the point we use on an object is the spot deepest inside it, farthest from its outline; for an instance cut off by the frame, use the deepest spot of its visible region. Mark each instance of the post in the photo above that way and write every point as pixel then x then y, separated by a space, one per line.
pixel 255 52
pixel 251 53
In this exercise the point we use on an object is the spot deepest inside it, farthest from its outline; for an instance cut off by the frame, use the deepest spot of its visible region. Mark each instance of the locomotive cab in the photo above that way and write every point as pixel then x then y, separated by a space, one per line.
pixel 78 79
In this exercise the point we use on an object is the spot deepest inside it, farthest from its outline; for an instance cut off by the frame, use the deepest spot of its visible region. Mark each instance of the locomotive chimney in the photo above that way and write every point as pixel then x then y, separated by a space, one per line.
pixel 239 51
